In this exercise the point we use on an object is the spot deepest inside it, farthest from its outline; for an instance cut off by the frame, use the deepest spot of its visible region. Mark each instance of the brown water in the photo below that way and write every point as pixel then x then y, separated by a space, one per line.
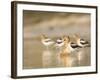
pixel 36 55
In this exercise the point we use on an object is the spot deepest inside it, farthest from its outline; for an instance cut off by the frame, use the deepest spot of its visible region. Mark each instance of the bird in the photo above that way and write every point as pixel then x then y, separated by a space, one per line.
pixel 69 46
pixel 81 42
pixel 59 43
pixel 46 41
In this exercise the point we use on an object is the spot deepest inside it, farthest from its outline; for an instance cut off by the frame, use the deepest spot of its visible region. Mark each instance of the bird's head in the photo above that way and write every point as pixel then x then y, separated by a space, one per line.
pixel 76 36
pixel 43 36
pixel 66 39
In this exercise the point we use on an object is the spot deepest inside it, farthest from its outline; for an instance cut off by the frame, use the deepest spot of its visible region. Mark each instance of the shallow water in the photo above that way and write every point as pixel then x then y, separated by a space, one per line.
pixel 36 55
pixel 53 25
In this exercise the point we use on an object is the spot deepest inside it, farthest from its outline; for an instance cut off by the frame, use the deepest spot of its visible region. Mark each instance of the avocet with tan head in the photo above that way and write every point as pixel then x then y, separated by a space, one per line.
pixel 69 46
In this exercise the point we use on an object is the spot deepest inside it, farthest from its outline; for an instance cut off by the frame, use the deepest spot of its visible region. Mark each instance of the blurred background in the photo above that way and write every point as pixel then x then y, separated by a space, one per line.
pixel 54 25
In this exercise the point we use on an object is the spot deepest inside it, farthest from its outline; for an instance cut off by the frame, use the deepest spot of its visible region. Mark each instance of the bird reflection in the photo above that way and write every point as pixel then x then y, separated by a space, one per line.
pixel 51 58
pixel 46 58
pixel 66 60
pixel 80 56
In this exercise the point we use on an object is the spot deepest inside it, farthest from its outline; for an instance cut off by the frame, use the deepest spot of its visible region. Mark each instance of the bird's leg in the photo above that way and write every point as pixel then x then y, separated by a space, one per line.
pixel 79 62
pixel 47 48
pixel 60 49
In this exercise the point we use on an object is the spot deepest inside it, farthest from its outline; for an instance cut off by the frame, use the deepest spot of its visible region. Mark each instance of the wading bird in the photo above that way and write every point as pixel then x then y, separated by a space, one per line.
pixel 69 46
pixel 59 43
pixel 46 41
pixel 81 42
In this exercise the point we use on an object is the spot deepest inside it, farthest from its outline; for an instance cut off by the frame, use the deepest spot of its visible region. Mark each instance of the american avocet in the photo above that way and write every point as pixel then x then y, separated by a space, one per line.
pixel 81 42
pixel 69 46
pixel 46 41
pixel 59 43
